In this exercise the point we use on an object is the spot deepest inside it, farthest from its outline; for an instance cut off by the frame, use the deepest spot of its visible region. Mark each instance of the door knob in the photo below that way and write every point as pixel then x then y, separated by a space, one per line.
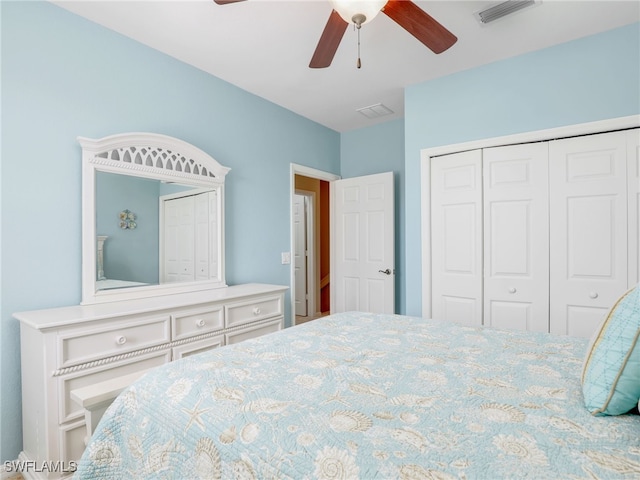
pixel 386 272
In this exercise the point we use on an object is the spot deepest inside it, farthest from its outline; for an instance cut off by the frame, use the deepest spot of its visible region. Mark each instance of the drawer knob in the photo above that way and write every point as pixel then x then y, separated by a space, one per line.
pixel 512 290
pixel 256 311
pixel 593 295
pixel 200 322
pixel 121 340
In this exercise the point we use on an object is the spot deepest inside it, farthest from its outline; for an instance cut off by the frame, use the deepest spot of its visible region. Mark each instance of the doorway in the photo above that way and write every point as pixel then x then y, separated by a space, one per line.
pixel 310 243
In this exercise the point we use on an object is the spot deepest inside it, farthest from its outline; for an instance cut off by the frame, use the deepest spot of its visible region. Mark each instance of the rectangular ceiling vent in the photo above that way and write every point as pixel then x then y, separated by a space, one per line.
pixel 375 111
pixel 503 9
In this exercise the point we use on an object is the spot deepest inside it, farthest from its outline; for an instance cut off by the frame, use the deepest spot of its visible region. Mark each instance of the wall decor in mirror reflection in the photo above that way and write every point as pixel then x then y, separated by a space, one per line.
pixel 127 220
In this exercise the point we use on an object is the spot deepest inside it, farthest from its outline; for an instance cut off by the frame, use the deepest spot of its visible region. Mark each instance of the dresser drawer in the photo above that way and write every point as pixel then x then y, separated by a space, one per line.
pixel 86 345
pixel 253 310
pixel 189 323
pixel 254 331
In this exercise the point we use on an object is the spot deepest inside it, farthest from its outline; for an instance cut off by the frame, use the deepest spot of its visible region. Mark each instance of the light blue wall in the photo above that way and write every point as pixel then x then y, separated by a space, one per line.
pixel 594 78
pixel 129 254
pixel 376 149
pixel 63 76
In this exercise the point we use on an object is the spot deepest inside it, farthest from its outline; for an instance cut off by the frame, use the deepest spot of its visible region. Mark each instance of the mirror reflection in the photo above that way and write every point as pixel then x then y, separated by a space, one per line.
pixel 152 232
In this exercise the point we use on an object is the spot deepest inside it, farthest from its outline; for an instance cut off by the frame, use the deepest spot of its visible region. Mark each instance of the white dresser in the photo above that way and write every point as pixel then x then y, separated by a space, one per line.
pixel 68 349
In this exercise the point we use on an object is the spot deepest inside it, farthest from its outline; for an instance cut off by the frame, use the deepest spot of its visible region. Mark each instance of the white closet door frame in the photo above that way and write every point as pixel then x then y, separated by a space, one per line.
pixel 632 121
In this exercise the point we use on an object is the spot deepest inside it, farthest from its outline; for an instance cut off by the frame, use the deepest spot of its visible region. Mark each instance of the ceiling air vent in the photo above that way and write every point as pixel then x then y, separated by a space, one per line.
pixel 375 111
pixel 503 9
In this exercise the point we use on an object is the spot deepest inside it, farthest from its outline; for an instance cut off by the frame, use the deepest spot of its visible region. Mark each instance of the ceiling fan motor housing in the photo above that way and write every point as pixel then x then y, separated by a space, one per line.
pixel 358 12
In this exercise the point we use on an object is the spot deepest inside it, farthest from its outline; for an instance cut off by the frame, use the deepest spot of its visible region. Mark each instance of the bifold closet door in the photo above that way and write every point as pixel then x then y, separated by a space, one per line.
pixel 214 235
pixel 588 221
pixel 456 237
pixel 178 240
pixel 516 237
pixel 201 231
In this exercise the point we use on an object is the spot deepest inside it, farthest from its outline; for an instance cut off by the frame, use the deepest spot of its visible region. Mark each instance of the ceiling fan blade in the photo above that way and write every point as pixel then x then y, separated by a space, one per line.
pixel 420 24
pixel 224 2
pixel 329 41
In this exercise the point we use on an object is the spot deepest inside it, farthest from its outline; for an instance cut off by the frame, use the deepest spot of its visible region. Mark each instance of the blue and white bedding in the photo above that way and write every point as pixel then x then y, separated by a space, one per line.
pixel 367 396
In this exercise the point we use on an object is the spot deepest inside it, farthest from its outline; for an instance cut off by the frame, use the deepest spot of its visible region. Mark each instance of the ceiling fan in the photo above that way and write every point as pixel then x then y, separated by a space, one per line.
pixel 404 12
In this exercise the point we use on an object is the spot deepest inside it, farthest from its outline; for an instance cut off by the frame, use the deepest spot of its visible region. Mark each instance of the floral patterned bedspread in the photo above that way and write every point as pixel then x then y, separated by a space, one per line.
pixel 367 396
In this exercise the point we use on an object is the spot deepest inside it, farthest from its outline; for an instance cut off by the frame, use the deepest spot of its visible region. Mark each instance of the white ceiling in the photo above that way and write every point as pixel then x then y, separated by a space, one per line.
pixel 264 46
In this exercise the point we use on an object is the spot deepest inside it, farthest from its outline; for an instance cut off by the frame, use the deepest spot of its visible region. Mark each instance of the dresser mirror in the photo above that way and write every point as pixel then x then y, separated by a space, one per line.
pixel 152 218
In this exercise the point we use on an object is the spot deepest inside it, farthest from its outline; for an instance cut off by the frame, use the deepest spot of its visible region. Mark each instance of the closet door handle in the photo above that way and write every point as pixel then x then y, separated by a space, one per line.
pixel 386 272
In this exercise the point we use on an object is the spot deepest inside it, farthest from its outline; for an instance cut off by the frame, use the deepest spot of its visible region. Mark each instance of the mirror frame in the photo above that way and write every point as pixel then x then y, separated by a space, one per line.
pixel 147 155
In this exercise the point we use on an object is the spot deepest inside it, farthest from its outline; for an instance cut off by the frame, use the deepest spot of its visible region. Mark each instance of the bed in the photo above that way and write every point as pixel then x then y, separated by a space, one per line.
pixel 359 395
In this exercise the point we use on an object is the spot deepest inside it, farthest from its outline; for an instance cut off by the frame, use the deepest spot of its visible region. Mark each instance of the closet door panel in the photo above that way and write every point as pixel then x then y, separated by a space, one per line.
pixel 588 219
pixel 516 237
pixel 178 240
pixel 456 231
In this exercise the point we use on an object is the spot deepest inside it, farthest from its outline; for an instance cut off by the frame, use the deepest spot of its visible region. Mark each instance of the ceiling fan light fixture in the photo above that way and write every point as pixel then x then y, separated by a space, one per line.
pixel 353 11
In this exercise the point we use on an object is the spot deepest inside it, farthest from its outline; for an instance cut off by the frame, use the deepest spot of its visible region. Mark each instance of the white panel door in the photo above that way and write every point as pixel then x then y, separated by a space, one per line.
pixel 633 173
pixel 516 237
pixel 456 237
pixel 364 230
pixel 300 254
pixel 588 221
